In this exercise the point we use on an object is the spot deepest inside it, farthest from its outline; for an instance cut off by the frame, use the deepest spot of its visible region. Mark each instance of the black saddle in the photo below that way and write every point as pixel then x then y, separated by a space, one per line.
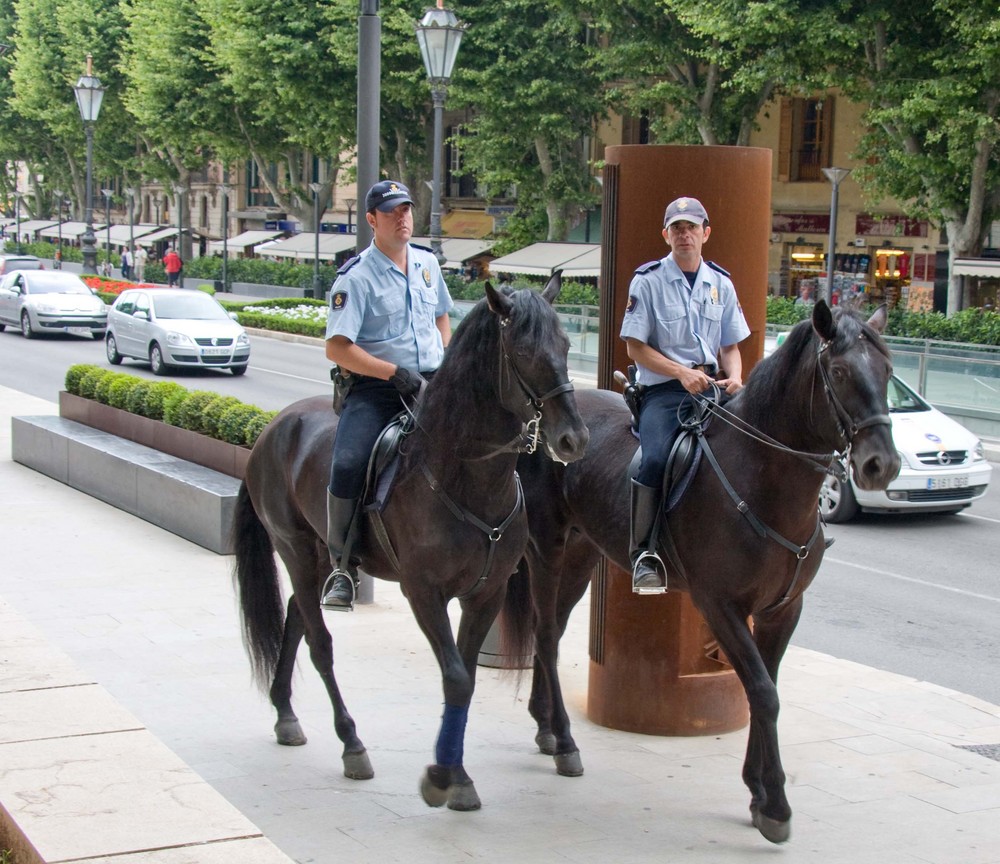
pixel 384 461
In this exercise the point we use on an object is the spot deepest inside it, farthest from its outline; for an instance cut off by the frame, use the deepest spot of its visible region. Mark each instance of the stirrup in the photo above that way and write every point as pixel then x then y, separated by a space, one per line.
pixel 327 597
pixel 654 562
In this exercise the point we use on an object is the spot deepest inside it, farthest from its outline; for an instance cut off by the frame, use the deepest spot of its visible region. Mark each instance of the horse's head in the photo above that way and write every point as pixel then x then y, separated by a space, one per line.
pixel 854 365
pixel 534 380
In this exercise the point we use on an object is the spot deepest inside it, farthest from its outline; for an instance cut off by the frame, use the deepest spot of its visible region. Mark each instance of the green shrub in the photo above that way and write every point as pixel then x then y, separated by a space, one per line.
pixel 102 389
pixel 136 403
pixel 91 378
pixel 212 412
pixel 158 395
pixel 120 390
pixel 185 409
pixel 255 425
pixel 232 422
pixel 75 374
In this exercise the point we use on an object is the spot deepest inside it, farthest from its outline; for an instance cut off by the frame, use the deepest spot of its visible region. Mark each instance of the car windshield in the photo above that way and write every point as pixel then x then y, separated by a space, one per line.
pixel 21 264
pixel 43 282
pixel 197 306
pixel 902 399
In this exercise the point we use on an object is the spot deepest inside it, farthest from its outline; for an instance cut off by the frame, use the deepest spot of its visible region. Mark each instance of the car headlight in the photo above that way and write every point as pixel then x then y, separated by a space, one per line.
pixel 243 339
pixel 47 308
pixel 978 454
pixel 179 340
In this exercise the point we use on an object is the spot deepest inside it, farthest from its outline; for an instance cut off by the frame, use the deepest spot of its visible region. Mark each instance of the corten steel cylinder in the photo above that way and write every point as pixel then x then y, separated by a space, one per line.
pixel 654 665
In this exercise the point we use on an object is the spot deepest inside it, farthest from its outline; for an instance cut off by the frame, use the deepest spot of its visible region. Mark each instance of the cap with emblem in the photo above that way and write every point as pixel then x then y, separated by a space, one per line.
pixel 387 195
pixel 685 210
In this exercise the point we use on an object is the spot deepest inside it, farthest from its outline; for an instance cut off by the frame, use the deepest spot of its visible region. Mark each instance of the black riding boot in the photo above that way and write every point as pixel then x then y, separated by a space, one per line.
pixel 649 575
pixel 340 586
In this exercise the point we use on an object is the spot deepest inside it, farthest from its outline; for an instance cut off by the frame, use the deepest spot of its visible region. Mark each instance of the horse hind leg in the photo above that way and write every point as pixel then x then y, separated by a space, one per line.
pixel 287 728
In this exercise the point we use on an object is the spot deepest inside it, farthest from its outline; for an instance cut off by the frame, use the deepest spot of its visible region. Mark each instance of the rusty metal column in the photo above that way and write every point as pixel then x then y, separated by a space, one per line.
pixel 654 665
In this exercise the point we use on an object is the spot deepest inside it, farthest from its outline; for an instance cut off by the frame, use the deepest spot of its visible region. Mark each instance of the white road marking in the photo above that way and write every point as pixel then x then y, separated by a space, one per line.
pixel 910 579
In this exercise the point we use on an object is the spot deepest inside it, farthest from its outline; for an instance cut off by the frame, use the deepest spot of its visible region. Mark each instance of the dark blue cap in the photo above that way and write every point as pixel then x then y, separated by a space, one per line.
pixel 387 195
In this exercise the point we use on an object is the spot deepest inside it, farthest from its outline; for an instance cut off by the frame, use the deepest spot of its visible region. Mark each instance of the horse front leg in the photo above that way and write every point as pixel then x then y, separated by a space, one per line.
pixel 762 771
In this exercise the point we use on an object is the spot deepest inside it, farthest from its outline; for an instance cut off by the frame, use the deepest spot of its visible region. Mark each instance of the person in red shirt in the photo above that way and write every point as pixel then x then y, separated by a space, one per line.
pixel 172 264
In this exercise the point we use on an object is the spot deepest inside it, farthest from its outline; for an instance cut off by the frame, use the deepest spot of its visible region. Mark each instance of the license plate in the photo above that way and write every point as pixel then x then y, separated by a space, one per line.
pixel 79 331
pixel 214 352
pixel 948 482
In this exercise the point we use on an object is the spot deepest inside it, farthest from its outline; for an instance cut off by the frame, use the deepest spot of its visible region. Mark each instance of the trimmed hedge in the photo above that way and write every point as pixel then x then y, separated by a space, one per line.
pixel 202 411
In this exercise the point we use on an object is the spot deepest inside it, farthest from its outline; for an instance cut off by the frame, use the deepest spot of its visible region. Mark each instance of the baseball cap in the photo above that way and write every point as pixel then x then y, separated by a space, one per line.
pixel 387 195
pixel 685 210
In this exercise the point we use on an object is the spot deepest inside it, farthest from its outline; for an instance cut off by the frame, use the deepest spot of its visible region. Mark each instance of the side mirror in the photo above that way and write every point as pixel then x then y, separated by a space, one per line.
pixel 235 316
pixel 141 313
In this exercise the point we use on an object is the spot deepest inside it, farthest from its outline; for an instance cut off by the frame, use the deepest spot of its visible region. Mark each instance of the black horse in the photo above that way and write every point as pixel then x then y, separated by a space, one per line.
pixel 455 519
pixel 824 390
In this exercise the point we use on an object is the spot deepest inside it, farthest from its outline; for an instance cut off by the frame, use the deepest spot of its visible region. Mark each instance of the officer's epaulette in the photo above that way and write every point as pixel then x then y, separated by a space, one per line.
pixel 649 267
pixel 718 269
pixel 424 248
pixel 347 265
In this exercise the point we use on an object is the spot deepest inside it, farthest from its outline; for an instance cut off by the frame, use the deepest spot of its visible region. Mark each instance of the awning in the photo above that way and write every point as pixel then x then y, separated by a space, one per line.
pixel 70 230
pixel 120 233
pixel 543 259
pixel 156 236
pixel 244 241
pixel 304 246
pixel 982 267
pixel 30 226
pixel 471 224
pixel 457 250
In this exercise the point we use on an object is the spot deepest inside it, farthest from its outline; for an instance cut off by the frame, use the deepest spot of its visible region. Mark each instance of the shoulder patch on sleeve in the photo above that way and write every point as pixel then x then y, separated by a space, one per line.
pixel 348 264
pixel 718 269
pixel 632 302
pixel 649 267
pixel 423 248
pixel 338 300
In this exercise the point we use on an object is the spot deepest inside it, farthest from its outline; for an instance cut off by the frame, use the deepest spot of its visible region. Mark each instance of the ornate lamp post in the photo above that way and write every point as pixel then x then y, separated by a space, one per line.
pixel 225 189
pixel 835 176
pixel 179 190
pixel 439 35
pixel 89 94
pixel 58 193
pixel 369 101
pixel 350 202
pixel 131 192
pixel 317 290
pixel 17 220
pixel 107 193
pixel 157 201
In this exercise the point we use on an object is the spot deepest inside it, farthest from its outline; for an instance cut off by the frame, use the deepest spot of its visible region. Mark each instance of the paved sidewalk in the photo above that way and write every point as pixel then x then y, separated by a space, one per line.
pixel 881 768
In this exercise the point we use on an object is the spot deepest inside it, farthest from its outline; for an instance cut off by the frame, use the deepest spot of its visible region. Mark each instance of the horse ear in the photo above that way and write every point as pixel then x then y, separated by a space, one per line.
pixel 880 317
pixel 822 321
pixel 500 304
pixel 553 287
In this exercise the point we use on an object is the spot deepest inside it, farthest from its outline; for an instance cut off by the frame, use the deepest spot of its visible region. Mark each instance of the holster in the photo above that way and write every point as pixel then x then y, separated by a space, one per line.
pixel 343 380
pixel 633 395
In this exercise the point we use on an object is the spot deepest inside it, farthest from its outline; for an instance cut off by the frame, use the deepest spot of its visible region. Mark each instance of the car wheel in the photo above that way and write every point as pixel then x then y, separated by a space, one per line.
pixel 238 370
pixel 26 330
pixel 156 362
pixel 114 358
pixel 836 500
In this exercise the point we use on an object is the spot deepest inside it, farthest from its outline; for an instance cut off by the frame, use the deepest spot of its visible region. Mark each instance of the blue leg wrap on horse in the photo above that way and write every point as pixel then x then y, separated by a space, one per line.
pixel 451 738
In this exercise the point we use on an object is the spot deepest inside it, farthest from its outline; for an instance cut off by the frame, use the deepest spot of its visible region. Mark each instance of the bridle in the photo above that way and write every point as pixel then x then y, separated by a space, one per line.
pixel 847 425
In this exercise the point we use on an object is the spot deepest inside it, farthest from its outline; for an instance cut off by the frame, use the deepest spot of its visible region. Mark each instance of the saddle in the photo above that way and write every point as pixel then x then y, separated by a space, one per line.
pixel 384 461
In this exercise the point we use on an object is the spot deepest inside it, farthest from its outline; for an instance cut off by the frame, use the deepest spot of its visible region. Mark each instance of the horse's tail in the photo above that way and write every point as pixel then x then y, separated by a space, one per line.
pixel 256 577
pixel 516 620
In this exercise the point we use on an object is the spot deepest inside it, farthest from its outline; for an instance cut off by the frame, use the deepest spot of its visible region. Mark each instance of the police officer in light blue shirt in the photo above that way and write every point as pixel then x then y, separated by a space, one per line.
pixel 682 326
pixel 388 326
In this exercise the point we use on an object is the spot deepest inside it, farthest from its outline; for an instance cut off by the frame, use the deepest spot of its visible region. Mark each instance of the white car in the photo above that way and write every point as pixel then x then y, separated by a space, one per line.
pixel 943 466
pixel 174 328
pixel 50 301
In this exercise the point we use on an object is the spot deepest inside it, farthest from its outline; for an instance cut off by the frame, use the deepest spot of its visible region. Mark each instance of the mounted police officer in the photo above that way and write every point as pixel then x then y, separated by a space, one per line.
pixel 387 331
pixel 682 326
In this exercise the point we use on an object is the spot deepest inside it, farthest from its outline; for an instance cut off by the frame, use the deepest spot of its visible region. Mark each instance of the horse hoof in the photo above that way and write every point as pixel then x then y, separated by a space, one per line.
pixel 546 742
pixel 289 733
pixel 569 764
pixel 357 766
pixel 462 796
pixel 771 829
pixel 433 796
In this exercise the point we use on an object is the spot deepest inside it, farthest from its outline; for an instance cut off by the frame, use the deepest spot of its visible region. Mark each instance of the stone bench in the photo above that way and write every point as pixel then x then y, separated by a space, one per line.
pixel 193 502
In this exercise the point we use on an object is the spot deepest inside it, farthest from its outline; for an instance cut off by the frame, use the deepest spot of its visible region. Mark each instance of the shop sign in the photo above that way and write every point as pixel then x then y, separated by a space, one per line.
pixel 800 223
pixel 889 226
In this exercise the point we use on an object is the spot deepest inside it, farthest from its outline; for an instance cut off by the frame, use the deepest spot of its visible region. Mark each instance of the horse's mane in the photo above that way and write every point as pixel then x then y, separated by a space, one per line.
pixel 772 378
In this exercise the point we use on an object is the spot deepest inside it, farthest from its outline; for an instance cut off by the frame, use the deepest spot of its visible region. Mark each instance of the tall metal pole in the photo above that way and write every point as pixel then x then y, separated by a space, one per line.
pixel 59 197
pixel 131 231
pixel 225 235
pixel 317 286
pixel 88 241
pixel 17 221
pixel 180 190
pixel 439 93
pixel 107 193
pixel 369 102
pixel 835 176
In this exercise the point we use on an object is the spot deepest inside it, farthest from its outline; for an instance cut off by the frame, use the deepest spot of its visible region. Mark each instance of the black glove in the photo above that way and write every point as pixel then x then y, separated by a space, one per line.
pixel 407 382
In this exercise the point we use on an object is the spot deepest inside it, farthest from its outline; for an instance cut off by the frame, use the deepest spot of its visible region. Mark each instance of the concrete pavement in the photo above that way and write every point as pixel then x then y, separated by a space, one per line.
pixel 881 768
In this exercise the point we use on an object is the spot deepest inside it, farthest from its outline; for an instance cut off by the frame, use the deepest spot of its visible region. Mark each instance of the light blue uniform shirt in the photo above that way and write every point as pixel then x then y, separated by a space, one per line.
pixel 687 325
pixel 390 314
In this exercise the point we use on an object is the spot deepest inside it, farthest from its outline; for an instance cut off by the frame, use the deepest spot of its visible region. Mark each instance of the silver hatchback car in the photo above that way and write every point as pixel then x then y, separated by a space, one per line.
pixel 173 328
pixel 50 301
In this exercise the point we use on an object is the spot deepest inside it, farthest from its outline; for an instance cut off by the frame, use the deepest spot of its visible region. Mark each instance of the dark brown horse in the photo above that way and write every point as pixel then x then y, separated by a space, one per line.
pixel 455 519
pixel 824 390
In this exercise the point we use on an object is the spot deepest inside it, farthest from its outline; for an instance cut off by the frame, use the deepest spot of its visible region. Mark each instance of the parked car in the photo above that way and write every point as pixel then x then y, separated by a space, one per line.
pixel 943 466
pixel 170 327
pixel 50 301
pixel 9 263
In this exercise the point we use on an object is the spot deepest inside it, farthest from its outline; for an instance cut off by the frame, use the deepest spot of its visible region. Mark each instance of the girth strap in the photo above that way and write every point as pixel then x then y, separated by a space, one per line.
pixel 464 515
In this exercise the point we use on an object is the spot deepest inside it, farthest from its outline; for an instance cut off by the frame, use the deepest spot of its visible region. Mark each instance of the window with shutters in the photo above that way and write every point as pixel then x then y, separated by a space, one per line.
pixel 805 139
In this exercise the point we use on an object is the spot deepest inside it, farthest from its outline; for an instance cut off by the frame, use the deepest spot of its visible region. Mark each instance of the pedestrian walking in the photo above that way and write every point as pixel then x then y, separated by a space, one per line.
pixel 139 264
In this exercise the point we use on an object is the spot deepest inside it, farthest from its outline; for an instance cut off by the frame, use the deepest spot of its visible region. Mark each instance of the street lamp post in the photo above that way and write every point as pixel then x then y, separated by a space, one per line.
pixel 350 202
pixel 107 193
pixel 58 193
pixel 89 94
pixel 17 221
pixel 180 190
pixel 317 289
pixel 224 188
pixel 131 192
pixel 369 101
pixel 835 176
pixel 157 201
pixel 439 34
